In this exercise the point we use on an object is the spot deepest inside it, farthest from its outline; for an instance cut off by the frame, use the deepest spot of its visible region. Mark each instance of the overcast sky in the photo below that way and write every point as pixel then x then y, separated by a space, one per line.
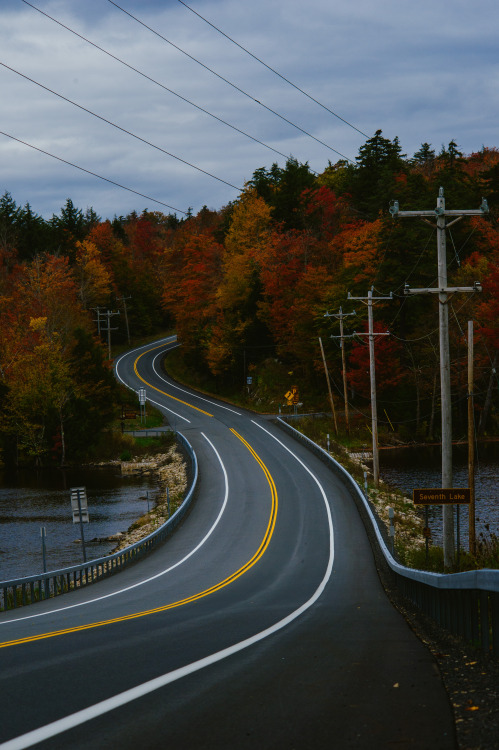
pixel 425 72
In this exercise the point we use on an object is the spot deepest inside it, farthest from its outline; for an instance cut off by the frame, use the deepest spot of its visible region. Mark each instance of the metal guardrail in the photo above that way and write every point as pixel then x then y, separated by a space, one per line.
pixel 31 589
pixel 148 432
pixel 466 604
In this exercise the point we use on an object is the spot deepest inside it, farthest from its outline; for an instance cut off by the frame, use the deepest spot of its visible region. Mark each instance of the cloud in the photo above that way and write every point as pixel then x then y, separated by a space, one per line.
pixel 422 72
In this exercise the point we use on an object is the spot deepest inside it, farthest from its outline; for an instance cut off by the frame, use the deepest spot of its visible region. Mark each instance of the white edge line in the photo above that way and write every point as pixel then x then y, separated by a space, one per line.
pixel 189 393
pixel 165 408
pixel 152 578
pixel 80 717
pixel 168 340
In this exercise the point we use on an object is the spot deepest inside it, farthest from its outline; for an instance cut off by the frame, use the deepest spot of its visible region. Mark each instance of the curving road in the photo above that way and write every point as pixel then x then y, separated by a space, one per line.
pixel 261 623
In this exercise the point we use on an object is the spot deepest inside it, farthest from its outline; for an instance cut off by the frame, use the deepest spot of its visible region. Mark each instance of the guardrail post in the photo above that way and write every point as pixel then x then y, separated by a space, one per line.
pixel 391 532
pixel 484 622
pixel 494 611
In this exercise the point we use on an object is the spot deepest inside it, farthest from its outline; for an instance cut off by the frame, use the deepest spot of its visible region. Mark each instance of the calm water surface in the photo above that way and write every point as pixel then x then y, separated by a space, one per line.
pixel 413 468
pixel 30 500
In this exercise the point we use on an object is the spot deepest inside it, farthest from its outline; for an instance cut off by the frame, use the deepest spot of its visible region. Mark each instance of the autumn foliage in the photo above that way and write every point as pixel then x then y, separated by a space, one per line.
pixel 249 287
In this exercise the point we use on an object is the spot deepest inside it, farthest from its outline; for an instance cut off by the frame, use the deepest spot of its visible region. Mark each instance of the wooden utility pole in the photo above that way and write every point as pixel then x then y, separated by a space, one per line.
pixel 329 387
pixel 471 443
pixel 443 292
pixel 109 315
pixel 97 310
pixel 372 373
pixel 124 299
pixel 340 316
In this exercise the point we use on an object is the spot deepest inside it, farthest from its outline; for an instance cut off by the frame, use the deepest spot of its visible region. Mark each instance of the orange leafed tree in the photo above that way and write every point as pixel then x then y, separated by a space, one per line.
pixel 46 288
pixel 358 245
pixel 236 324
pixel 93 277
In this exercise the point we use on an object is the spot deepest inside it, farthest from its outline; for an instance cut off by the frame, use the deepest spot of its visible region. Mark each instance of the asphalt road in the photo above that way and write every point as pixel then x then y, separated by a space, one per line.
pixel 261 623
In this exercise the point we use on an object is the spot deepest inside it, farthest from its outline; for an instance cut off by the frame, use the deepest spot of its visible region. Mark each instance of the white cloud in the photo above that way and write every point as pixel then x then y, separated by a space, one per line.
pixel 422 72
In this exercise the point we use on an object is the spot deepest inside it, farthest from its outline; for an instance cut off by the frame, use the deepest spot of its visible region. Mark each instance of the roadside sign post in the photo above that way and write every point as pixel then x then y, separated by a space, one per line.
pixel 293 398
pixel 79 507
pixel 43 534
pixel 442 496
pixel 142 402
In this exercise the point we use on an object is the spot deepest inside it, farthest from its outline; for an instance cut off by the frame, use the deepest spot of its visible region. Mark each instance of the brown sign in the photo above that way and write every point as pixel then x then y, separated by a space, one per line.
pixel 442 496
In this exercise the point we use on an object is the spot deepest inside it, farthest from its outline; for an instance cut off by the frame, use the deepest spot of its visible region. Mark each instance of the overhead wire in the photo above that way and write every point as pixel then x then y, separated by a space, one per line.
pixel 153 80
pixel 230 83
pixel 273 70
pixel 118 127
pixel 94 174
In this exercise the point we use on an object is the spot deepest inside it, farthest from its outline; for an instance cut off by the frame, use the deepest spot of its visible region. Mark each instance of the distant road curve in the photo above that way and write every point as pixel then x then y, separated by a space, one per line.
pixel 261 623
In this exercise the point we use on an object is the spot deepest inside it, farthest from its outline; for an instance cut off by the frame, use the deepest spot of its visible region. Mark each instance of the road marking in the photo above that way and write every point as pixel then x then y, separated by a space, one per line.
pixel 145 580
pixel 170 411
pixel 163 393
pixel 170 340
pixel 184 390
pixel 195 597
pixel 171 385
pixel 81 717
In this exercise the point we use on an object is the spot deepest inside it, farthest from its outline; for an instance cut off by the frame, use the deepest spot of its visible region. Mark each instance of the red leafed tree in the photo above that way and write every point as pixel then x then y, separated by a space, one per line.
pixel 294 288
pixel 387 352
pixel 282 264
pixel 324 213
pixel 191 274
pixel 488 309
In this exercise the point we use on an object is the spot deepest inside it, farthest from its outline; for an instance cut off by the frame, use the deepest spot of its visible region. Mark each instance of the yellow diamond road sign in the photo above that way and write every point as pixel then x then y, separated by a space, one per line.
pixel 292 396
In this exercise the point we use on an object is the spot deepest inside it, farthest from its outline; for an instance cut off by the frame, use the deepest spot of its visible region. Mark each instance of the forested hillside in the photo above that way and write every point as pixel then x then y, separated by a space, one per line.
pixel 247 287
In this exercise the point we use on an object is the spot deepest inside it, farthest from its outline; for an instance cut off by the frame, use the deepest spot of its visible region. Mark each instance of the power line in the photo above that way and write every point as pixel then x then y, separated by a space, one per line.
pixel 94 174
pixel 305 132
pixel 273 69
pixel 152 80
pixel 118 127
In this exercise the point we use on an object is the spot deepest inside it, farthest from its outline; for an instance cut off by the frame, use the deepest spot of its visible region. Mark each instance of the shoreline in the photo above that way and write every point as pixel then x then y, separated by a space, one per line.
pixel 170 470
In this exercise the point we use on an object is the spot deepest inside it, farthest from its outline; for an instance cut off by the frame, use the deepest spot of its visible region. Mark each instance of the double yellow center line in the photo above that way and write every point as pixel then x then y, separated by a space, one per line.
pixel 195 597
pixel 158 390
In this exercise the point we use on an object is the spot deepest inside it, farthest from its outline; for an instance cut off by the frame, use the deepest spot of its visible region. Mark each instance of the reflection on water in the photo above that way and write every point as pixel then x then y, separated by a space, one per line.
pixel 413 468
pixel 32 499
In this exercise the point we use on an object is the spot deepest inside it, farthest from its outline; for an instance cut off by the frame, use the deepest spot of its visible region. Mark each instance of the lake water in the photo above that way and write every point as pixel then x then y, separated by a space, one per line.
pixel 32 499
pixel 413 468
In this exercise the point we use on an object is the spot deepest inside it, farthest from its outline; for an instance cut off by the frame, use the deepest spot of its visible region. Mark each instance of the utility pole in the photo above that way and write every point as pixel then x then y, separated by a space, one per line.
pixel 109 315
pixel 372 372
pixel 340 316
pixel 124 299
pixel 471 443
pixel 97 310
pixel 333 411
pixel 443 292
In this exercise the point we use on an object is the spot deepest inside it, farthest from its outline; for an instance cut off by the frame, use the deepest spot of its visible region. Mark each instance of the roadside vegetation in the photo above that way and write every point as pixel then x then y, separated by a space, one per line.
pixel 409 544
pixel 252 290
